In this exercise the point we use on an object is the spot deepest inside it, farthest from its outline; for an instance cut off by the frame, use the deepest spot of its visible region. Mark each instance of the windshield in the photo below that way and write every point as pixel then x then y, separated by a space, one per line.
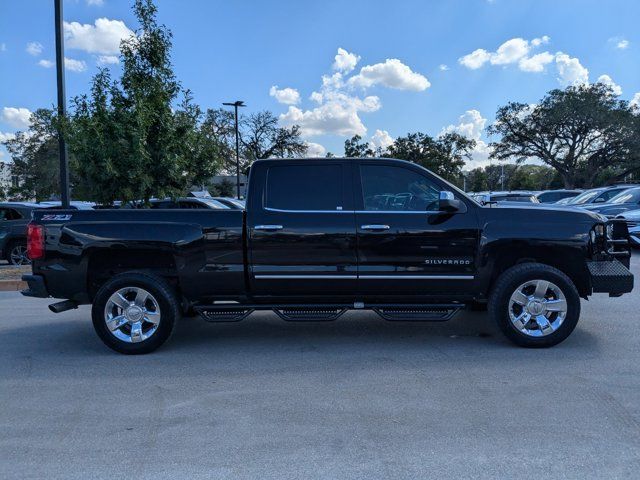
pixel 585 197
pixel 628 196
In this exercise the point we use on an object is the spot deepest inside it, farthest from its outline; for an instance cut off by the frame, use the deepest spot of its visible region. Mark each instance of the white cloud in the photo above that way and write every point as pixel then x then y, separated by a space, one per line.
pixel 46 63
pixel 337 114
pixel 102 37
pixel 344 61
pixel 471 125
pixel 608 81
pixel 515 50
pixel 74 65
pixel 570 70
pixel 34 48
pixel 622 44
pixel 288 96
pixel 475 59
pixel 393 74
pixel 510 51
pixel 337 109
pixel 15 117
pixel 381 139
pixel 97 3
pixel 536 63
pixel 315 150
pixel 108 60
pixel 635 101
pixel 6 136
pixel 442 67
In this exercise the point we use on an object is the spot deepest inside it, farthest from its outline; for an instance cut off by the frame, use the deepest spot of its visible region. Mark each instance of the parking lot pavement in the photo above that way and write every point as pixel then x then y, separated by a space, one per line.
pixel 358 398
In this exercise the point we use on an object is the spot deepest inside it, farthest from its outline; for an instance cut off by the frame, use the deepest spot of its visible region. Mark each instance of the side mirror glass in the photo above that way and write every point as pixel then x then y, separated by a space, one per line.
pixel 449 203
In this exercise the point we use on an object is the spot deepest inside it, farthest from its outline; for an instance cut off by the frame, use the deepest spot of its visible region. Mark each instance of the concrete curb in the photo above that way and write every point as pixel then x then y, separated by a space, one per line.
pixel 12 285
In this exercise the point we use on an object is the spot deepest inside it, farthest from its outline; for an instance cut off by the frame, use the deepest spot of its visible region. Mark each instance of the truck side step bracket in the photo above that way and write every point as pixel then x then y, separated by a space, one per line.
pixel 228 314
pixel 418 313
pixel 309 314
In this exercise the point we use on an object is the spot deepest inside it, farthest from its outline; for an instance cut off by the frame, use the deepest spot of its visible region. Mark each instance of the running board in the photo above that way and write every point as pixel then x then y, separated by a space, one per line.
pixel 225 312
pixel 418 313
pixel 310 314
pixel 217 313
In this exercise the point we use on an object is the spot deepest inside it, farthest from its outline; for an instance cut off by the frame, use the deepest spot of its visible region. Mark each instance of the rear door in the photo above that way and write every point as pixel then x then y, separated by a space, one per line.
pixel 405 245
pixel 301 224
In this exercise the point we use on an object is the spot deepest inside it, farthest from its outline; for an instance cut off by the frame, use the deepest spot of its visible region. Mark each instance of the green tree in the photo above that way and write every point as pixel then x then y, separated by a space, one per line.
pixel 444 155
pixel 356 148
pixel 578 131
pixel 34 155
pixel 141 136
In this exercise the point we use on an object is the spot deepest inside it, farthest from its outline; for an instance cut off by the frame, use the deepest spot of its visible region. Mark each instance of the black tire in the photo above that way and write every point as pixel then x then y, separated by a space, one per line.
pixel 162 292
pixel 9 249
pixel 509 282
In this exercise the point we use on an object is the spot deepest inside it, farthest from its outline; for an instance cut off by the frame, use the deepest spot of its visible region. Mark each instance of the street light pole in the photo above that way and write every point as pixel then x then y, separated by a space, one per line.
pixel 62 110
pixel 235 105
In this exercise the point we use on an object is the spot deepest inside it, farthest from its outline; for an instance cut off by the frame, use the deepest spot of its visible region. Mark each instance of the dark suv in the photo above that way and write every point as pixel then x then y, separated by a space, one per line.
pixel 14 218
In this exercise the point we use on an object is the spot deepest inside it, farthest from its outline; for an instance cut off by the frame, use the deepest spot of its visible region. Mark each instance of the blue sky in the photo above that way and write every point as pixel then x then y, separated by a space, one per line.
pixel 403 65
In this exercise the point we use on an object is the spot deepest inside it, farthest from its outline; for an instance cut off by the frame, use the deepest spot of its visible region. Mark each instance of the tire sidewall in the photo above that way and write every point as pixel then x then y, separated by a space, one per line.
pixel 156 286
pixel 511 280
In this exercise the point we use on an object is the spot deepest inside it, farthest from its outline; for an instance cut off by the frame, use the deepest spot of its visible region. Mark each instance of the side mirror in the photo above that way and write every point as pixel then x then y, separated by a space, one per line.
pixel 449 203
pixel 599 200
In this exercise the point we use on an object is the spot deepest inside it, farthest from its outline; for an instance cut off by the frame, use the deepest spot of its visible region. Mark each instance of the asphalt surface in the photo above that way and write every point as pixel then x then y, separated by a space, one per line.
pixel 357 398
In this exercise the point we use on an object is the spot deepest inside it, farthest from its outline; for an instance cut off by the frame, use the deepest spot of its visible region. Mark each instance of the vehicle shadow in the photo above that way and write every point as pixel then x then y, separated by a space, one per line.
pixel 264 338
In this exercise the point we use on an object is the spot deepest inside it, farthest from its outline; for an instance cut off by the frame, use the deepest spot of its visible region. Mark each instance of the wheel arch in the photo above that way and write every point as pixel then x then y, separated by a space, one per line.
pixel 569 260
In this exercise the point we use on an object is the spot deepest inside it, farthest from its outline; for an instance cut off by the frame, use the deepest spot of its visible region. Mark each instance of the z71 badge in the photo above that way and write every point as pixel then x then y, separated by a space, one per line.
pixel 57 217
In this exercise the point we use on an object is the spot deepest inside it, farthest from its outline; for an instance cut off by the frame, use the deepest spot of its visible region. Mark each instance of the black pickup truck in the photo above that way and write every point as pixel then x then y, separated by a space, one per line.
pixel 322 236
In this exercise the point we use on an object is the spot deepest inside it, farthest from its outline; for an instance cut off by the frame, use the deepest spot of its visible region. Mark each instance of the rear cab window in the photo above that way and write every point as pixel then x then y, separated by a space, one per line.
pixel 318 187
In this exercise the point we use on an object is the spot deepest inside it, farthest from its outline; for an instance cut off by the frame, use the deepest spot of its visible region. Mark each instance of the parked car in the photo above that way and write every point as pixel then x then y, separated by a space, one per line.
pixel 627 200
pixel 74 205
pixel 315 240
pixel 14 217
pixel 189 202
pixel 632 218
pixel 553 196
pixel 515 196
pixel 598 195
pixel 231 202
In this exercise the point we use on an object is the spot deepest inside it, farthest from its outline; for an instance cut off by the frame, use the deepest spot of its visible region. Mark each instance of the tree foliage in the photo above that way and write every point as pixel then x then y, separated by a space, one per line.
pixel 578 131
pixel 354 147
pixel 142 135
pixel 35 161
pixel 444 155
pixel 262 137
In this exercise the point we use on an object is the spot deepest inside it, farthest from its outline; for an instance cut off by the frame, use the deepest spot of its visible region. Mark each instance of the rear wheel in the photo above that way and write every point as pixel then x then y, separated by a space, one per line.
pixel 17 254
pixel 535 305
pixel 134 313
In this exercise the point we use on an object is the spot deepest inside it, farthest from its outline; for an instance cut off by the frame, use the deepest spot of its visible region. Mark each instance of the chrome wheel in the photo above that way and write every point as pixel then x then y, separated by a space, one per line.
pixel 537 308
pixel 18 255
pixel 132 314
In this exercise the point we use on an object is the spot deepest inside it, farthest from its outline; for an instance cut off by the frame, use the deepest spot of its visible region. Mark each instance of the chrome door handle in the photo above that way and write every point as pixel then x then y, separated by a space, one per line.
pixel 268 227
pixel 375 227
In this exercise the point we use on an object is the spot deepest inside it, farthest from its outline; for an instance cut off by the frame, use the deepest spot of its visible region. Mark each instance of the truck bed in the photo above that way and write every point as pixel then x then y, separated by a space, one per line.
pixel 205 248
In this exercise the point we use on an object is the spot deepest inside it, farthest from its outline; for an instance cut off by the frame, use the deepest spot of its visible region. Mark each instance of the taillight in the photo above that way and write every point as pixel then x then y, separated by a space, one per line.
pixel 35 241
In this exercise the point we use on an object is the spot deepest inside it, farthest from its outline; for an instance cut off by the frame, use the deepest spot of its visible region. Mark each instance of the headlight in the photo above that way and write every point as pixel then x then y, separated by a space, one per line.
pixel 599 229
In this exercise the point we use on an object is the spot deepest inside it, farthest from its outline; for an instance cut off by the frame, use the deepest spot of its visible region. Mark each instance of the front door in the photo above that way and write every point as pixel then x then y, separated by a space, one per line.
pixel 302 233
pixel 406 246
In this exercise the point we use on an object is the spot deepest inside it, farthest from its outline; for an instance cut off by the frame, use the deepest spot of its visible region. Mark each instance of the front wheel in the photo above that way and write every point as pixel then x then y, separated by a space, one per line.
pixel 535 305
pixel 134 313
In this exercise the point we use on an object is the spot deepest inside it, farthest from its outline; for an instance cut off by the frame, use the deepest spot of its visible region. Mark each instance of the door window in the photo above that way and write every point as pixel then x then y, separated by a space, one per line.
pixel 304 187
pixel 388 188
pixel 9 214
